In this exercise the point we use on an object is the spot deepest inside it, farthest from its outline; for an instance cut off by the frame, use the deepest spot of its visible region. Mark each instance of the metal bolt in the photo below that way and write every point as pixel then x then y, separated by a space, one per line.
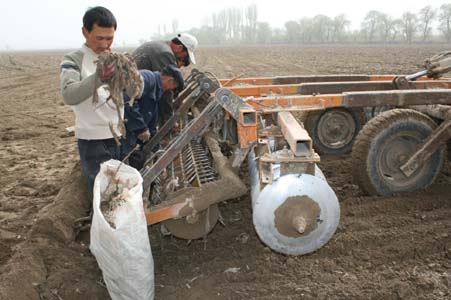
pixel 299 223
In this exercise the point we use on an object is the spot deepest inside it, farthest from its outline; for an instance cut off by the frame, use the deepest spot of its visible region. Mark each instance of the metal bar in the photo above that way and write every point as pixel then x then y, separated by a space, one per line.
pixel 195 200
pixel 430 84
pixel 320 78
pixel 247 135
pixel 196 170
pixel 161 212
pixel 276 159
pixel 232 103
pixel 252 81
pixel 330 87
pixel 166 128
pixel 351 99
pixel 335 87
pixel 191 83
pixel 185 93
pixel 295 102
pixel 437 139
pixel 270 131
pixel 204 87
pixel 195 128
pixel 182 169
pixel 397 98
pixel 417 75
pixel 264 90
pixel 228 187
pixel 284 80
pixel 300 79
pixel 296 136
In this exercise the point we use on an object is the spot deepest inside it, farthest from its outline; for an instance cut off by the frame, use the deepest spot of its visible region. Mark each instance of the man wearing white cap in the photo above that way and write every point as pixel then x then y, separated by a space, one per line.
pixel 156 55
pixel 190 44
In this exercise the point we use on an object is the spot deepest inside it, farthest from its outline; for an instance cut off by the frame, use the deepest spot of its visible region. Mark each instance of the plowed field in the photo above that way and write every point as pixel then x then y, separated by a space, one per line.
pixel 396 247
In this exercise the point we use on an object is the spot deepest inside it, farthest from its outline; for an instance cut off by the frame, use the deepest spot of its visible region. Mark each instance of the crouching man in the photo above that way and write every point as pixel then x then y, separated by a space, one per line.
pixel 142 117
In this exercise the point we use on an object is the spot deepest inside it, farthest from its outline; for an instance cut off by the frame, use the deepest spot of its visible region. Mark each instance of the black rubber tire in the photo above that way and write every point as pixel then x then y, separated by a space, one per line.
pixel 385 143
pixel 316 119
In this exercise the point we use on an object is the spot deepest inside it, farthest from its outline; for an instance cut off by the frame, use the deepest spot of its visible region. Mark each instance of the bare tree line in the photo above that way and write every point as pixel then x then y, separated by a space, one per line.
pixel 241 25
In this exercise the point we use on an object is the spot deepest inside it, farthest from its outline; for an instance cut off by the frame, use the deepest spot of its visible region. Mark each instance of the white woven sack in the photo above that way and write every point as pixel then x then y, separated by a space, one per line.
pixel 124 253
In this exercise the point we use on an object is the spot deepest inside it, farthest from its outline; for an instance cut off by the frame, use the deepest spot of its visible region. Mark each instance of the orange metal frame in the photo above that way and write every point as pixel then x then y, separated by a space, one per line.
pixel 293 89
pixel 247 134
pixel 278 98
pixel 295 103
pixel 270 80
pixel 261 90
pixel 157 215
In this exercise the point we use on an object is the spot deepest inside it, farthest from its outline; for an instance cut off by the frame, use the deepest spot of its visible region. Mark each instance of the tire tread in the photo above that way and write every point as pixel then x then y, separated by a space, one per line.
pixel 369 132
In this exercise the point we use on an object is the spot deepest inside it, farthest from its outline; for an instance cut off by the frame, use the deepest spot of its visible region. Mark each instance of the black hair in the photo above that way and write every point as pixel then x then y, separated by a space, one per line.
pixel 186 61
pixel 98 15
pixel 174 72
pixel 165 72
pixel 176 40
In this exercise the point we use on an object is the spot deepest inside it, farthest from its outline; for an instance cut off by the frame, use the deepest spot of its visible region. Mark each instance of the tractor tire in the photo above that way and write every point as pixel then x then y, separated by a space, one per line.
pixel 385 143
pixel 334 130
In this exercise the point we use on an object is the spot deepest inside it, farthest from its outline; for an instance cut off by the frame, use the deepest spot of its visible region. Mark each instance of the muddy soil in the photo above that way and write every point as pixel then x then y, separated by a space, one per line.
pixel 396 247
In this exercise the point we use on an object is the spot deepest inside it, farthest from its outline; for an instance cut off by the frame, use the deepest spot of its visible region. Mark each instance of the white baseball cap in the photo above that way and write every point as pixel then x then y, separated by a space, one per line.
pixel 190 43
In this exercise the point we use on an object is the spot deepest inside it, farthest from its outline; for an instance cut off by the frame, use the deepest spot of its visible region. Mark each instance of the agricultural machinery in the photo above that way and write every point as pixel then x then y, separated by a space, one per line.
pixel 396 126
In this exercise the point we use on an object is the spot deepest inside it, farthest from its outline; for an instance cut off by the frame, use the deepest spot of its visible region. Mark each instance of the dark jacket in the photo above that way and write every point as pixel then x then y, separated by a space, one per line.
pixel 154 56
pixel 143 114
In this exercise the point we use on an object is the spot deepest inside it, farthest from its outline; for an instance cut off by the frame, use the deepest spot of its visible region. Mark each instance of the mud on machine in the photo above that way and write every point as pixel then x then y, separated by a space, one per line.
pixel 220 124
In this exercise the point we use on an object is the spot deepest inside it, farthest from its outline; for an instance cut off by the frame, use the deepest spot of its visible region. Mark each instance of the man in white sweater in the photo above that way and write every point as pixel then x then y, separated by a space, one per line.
pixel 78 76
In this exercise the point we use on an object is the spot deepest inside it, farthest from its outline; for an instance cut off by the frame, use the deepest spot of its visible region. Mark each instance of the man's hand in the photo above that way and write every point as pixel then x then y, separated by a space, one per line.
pixel 144 136
pixel 106 72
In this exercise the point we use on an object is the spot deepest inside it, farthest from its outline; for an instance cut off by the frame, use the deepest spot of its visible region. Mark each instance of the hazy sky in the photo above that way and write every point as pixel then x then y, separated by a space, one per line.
pixel 48 24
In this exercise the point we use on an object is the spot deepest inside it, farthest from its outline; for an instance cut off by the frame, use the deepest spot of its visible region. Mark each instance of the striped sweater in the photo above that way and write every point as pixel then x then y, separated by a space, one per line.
pixel 77 85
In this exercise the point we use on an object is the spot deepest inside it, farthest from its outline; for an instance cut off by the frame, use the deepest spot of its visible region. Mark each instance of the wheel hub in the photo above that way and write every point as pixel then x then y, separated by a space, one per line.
pixel 336 128
pixel 297 216
pixel 397 151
